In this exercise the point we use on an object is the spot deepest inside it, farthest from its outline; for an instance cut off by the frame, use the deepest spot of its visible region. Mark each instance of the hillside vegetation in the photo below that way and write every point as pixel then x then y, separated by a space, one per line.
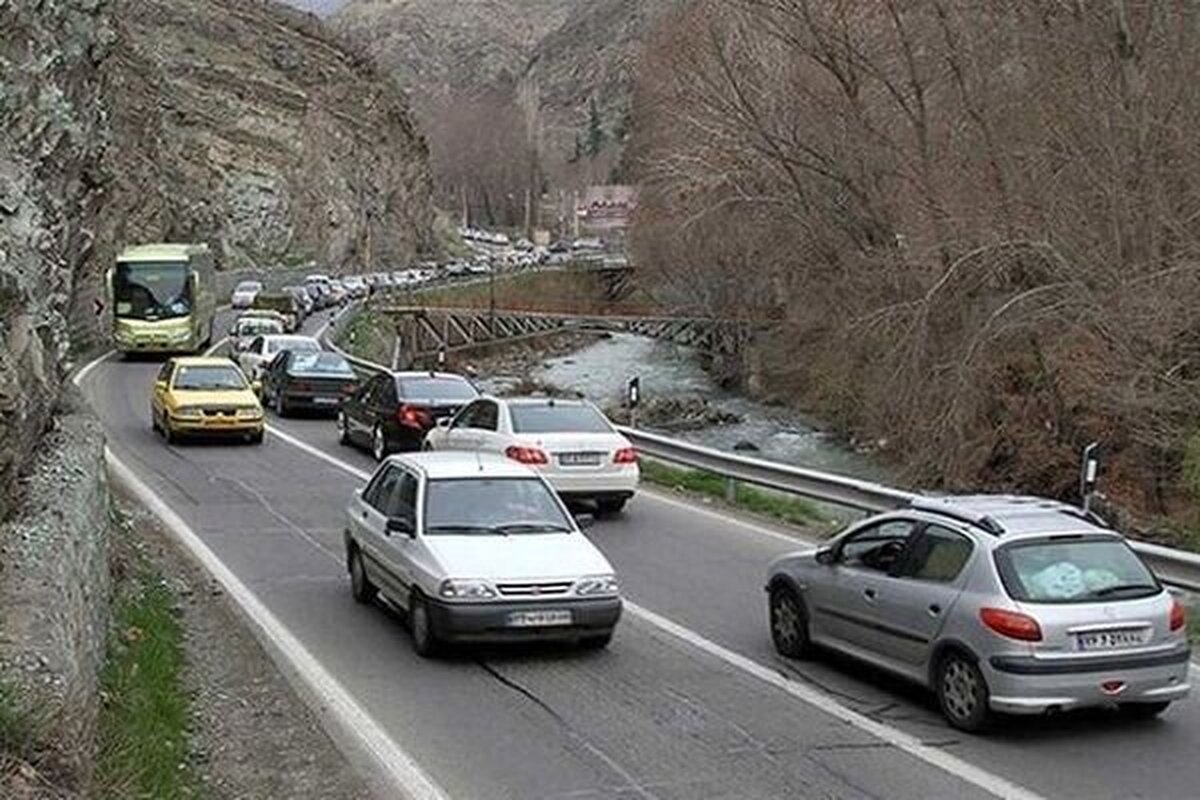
pixel 982 221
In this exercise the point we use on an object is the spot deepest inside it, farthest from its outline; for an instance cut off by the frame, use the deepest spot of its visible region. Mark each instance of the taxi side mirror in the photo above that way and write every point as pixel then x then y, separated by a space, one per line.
pixel 256 387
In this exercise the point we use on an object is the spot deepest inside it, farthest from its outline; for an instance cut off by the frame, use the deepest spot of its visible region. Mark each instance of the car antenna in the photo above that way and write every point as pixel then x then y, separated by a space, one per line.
pixel 479 461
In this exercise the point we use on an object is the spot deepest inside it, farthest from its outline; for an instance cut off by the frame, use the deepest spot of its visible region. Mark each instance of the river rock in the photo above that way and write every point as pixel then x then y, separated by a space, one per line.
pixel 677 413
pixel 745 446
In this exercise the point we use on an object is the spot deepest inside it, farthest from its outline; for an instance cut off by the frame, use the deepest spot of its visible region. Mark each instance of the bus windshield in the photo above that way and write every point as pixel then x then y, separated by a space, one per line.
pixel 152 290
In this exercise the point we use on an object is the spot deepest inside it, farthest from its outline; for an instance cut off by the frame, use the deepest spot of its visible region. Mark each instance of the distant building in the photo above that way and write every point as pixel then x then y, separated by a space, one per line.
pixel 601 210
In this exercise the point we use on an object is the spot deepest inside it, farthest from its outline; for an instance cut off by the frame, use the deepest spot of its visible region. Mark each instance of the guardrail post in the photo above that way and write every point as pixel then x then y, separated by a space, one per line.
pixel 731 491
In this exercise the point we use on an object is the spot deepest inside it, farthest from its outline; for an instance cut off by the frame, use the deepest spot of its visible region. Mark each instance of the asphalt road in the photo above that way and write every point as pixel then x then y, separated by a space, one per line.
pixel 654 716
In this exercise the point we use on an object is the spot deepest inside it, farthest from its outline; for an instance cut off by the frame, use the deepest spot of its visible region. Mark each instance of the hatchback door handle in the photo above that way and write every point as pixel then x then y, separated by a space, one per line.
pixel 364 515
pixel 935 609
pixel 869 593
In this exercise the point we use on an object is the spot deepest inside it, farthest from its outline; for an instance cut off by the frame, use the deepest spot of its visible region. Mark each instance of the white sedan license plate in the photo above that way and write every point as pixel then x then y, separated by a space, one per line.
pixel 1112 640
pixel 538 619
pixel 325 401
pixel 580 459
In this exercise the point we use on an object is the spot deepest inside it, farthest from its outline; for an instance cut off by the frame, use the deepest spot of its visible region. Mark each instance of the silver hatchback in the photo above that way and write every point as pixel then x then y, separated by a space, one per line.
pixel 998 604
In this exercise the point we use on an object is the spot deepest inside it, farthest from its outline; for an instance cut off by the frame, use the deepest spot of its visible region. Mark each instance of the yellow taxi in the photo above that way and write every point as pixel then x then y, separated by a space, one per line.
pixel 202 396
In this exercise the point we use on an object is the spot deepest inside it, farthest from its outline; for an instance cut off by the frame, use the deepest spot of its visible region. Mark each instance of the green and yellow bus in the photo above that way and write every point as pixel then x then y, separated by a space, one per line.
pixel 163 298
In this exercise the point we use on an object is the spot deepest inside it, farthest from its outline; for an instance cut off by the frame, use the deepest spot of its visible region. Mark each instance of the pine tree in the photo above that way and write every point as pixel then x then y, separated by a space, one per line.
pixel 595 133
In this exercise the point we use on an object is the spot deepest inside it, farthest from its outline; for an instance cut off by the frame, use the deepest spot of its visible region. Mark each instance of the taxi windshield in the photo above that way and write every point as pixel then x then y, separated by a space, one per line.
pixel 209 378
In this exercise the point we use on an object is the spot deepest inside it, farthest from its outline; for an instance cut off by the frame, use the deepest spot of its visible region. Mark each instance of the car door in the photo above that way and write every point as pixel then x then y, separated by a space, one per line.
pixel 406 552
pixel 369 518
pixel 846 595
pixel 357 409
pixel 158 396
pixel 918 597
pixel 463 433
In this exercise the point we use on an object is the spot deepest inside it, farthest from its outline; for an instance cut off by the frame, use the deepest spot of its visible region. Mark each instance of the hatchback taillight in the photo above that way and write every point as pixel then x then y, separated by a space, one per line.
pixel 626 455
pixel 1178 616
pixel 1012 624
pixel 526 455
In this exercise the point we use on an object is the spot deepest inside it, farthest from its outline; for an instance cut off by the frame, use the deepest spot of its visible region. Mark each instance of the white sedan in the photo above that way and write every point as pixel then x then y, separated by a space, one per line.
pixel 570 442
pixel 477 549
pixel 244 294
pixel 263 349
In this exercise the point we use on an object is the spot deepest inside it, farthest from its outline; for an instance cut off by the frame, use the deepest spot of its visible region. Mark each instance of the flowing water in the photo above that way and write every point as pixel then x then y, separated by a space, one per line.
pixel 601 371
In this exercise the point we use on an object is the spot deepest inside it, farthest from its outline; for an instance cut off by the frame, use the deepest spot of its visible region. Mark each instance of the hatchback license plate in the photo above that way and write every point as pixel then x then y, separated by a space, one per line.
pixel 538 619
pixel 1112 640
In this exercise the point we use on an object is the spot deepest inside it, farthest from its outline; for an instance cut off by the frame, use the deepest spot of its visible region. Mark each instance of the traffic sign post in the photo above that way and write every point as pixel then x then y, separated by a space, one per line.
pixel 1089 471
pixel 633 396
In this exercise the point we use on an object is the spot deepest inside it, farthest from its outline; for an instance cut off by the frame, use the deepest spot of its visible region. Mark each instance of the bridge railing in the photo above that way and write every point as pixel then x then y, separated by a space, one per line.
pixel 1174 567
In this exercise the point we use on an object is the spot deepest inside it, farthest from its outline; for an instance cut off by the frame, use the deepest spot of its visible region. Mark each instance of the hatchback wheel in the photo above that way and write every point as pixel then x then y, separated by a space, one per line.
pixel 425 641
pixel 962 693
pixel 789 623
pixel 360 585
pixel 378 444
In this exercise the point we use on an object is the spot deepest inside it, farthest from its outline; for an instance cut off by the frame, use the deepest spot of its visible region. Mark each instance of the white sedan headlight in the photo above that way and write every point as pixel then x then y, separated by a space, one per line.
pixel 597 586
pixel 466 589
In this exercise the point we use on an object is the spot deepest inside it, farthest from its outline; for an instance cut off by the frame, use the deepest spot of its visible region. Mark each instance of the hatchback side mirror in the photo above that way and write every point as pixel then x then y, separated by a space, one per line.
pixel 826 556
pixel 444 422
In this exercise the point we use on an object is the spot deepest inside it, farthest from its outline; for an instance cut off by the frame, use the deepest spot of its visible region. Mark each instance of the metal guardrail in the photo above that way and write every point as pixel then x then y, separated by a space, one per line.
pixel 1176 568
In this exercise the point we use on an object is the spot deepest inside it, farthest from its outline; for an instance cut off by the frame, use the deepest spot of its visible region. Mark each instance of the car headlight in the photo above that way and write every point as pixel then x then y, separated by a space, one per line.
pixel 179 336
pixel 597 585
pixel 188 413
pixel 460 589
pixel 249 413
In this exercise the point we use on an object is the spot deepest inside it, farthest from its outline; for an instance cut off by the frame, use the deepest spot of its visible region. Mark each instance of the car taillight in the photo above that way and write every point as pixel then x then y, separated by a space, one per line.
pixel 1178 616
pixel 1012 624
pixel 412 417
pixel 348 388
pixel 526 455
pixel 626 455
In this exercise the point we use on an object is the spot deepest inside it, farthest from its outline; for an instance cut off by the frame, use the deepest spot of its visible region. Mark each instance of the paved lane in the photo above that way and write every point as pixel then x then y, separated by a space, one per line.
pixel 650 718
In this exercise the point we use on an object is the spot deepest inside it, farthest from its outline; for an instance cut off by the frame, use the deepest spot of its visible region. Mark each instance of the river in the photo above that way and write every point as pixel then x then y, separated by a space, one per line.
pixel 601 370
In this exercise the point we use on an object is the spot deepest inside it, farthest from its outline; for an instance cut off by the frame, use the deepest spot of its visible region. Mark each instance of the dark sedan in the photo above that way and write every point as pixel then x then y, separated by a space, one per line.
pixel 310 380
pixel 392 412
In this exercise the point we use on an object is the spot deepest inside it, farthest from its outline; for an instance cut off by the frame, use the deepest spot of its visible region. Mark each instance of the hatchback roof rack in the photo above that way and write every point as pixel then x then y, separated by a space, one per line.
pixel 947 507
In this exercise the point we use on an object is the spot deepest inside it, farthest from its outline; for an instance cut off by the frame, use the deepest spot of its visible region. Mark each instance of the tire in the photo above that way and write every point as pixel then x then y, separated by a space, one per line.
pixel 595 642
pixel 1143 710
pixel 154 422
pixel 609 508
pixel 789 623
pixel 343 429
pixel 425 641
pixel 171 436
pixel 360 585
pixel 281 405
pixel 962 693
pixel 255 438
pixel 379 448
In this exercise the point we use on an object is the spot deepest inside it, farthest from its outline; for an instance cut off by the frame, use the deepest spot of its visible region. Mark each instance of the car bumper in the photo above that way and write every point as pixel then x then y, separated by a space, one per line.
pixel 1025 685
pixel 489 622
pixel 607 484
pixel 191 427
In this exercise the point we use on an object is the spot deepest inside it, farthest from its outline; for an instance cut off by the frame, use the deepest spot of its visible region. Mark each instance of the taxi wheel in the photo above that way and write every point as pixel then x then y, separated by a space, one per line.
pixel 255 438
pixel 154 422
pixel 425 641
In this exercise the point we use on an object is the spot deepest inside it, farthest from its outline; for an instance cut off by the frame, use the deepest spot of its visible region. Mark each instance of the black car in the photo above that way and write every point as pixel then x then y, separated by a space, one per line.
pixel 314 380
pixel 393 411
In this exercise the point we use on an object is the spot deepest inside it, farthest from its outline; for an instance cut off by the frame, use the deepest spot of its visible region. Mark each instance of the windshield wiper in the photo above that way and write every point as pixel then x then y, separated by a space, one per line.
pixel 466 529
pixel 1124 587
pixel 532 527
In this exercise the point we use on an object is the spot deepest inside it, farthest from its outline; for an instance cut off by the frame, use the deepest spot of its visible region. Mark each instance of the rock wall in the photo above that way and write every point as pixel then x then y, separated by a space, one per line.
pixel 55 590
pixel 51 136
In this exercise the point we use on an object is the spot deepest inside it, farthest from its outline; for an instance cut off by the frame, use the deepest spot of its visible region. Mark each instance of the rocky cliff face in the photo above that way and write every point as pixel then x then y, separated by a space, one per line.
pixel 51 138
pixel 238 123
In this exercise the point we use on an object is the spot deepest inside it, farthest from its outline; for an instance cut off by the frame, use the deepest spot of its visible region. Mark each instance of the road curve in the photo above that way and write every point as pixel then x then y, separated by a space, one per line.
pixel 655 716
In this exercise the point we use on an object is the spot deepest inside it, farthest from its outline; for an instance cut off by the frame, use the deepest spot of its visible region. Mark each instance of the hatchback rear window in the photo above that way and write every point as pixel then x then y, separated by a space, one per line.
pixel 1080 569
pixel 557 419
pixel 437 389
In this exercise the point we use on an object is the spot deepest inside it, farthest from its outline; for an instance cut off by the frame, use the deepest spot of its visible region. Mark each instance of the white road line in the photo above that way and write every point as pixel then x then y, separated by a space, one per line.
pixel 217 345
pixel 934 756
pixel 78 377
pixel 399 769
pixel 981 778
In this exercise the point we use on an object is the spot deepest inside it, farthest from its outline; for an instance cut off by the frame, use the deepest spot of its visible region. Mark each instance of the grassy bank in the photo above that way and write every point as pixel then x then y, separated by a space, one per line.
pixel 368 335
pixel 793 510
pixel 17 728
pixel 143 737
